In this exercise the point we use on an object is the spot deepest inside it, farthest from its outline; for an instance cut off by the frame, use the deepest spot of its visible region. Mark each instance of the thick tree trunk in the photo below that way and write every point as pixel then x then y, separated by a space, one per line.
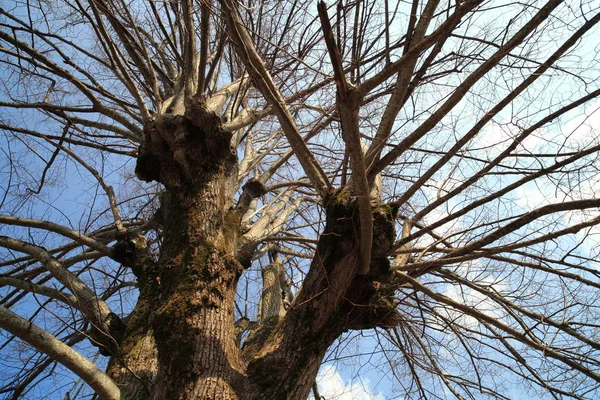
pixel 186 305
pixel 180 341
pixel 134 370
pixel 194 324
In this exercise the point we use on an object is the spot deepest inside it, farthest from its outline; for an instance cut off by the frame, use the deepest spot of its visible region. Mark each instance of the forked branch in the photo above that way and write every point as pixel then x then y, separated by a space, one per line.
pixel 262 79
pixel 348 106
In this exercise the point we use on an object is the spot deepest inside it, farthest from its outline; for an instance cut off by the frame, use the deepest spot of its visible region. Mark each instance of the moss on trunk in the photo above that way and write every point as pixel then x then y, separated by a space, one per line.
pixel 183 325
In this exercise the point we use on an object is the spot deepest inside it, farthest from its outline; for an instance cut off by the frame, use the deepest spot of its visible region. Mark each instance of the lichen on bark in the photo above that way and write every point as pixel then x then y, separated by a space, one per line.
pixel 191 288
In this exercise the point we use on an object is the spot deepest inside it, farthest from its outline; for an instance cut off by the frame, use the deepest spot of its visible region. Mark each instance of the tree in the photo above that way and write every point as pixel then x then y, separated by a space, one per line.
pixel 424 171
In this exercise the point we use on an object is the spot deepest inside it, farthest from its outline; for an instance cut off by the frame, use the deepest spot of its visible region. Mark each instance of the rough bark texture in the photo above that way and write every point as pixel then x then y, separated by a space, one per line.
pixel 333 299
pixel 180 341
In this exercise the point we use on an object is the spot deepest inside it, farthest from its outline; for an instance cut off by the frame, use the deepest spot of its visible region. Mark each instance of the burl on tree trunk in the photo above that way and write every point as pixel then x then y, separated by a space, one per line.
pixel 180 341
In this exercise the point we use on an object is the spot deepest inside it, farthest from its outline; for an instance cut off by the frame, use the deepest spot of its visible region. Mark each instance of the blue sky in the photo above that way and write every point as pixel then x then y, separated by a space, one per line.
pixel 76 204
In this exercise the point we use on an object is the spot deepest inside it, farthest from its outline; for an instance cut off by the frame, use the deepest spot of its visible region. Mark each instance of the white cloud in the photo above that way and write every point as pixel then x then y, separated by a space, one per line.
pixel 476 301
pixel 544 192
pixel 589 237
pixel 496 137
pixel 582 129
pixel 537 194
pixel 333 387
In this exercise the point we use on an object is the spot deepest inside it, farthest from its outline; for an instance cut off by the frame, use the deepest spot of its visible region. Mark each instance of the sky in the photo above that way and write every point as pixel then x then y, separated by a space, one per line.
pixel 339 383
pixel 334 386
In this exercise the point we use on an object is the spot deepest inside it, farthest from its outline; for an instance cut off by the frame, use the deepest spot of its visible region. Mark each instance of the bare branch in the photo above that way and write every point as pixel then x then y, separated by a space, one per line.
pixel 59 352
pixel 263 80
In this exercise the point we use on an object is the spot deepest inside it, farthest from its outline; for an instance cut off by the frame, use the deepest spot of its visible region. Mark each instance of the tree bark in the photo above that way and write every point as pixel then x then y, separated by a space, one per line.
pixel 334 298
pixel 180 341
pixel 186 302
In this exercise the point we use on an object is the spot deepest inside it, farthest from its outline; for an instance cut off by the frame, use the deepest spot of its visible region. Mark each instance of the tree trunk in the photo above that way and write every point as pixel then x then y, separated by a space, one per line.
pixel 180 341
pixel 333 299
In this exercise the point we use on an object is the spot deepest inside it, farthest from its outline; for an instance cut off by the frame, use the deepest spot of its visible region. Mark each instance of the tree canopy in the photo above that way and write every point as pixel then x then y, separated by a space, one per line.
pixel 211 199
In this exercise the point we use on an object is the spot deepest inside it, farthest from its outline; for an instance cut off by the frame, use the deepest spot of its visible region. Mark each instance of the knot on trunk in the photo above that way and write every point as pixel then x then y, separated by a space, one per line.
pixel 131 250
pixel 108 338
pixel 250 191
pixel 179 151
pixel 372 305
pixel 369 299
pixel 342 231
